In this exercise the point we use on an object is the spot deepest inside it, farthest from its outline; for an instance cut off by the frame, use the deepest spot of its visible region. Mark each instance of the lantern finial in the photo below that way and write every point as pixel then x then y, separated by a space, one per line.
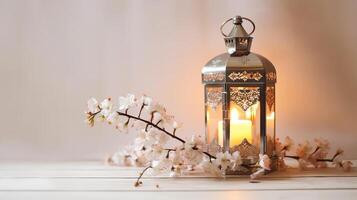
pixel 238 41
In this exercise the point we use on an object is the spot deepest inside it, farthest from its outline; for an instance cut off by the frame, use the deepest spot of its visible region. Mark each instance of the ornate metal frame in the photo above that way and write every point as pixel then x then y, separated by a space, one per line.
pixel 245 76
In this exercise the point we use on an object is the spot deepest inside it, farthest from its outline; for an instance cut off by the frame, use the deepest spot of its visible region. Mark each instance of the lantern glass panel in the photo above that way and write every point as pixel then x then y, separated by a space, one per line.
pixel 213 112
pixel 244 114
pixel 270 119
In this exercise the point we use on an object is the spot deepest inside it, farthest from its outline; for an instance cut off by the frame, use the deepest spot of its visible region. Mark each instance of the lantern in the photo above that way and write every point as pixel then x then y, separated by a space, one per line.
pixel 239 91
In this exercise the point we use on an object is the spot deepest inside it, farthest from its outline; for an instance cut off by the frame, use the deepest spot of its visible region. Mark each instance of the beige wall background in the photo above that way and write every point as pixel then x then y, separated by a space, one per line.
pixel 54 55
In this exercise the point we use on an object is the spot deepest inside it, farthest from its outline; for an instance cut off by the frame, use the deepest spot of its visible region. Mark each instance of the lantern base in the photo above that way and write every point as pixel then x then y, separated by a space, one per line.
pixel 248 167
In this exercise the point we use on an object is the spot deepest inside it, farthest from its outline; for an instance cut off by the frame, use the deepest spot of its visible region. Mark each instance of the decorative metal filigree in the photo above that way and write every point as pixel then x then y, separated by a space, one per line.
pixel 245 76
pixel 245 96
pixel 247 150
pixel 214 96
pixel 271 76
pixel 270 97
pixel 214 76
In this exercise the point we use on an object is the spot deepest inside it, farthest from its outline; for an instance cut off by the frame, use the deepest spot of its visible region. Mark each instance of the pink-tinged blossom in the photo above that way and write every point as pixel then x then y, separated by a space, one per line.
pixel 223 160
pixel 126 102
pixel 265 162
pixel 92 105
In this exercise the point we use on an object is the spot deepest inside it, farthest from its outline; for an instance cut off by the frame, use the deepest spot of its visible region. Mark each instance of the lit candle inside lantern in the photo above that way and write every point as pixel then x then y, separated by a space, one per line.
pixel 239 130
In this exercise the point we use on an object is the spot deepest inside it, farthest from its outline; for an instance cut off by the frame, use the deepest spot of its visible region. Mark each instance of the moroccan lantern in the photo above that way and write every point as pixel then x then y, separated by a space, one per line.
pixel 239 89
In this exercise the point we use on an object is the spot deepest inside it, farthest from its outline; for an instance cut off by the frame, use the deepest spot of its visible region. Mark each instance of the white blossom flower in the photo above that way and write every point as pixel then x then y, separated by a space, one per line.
pixel 288 143
pixel 139 159
pixel 123 157
pixel 138 125
pixel 303 150
pixel 347 165
pixel 163 119
pixel 213 148
pixel 323 144
pixel 155 152
pixel 126 102
pixel 177 156
pixel 303 164
pixel 210 168
pixel 156 107
pixel 112 117
pixel 176 125
pixel 150 138
pixel 177 163
pixel 280 149
pixel 281 164
pixel 264 162
pixel 162 138
pixel 162 165
pixel 106 107
pixel 223 160
pixel 237 160
pixel 176 171
pixel 92 105
pixel 153 136
pixel 195 142
pixel 146 101
pixel 140 140
pixel 191 156
pixel 160 114
pixel 257 174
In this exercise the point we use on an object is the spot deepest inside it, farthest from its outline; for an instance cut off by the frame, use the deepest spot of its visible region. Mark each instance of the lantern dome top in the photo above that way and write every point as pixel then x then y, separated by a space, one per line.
pixel 238 41
pixel 239 64
pixel 237 30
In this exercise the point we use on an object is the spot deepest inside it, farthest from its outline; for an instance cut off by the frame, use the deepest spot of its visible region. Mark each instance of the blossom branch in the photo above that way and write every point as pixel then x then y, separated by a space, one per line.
pixel 319 159
pixel 91 117
pixel 150 123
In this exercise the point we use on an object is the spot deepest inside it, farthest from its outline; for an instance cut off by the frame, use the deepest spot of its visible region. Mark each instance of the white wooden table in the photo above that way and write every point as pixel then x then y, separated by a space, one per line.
pixel 94 180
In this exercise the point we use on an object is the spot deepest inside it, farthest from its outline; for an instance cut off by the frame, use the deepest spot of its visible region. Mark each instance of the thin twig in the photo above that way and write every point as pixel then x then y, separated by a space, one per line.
pixel 318 160
pixel 168 152
pixel 174 132
pixel 138 182
pixel 151 124
pixel 317 148
pixel 157 124
pixel 293 157
pixel 141 109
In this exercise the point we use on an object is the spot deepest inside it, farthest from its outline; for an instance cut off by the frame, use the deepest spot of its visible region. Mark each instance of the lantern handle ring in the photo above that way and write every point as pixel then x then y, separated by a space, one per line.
pixel 240 19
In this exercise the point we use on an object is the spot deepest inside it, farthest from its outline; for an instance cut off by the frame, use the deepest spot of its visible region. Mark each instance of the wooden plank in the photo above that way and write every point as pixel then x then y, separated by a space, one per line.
pixel 100 170
pixel 77 165
pixel 176 184
pixel 226 195
pixel 134 172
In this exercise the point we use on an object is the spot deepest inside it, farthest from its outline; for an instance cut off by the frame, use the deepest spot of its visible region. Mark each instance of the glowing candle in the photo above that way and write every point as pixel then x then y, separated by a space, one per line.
pixel 239 130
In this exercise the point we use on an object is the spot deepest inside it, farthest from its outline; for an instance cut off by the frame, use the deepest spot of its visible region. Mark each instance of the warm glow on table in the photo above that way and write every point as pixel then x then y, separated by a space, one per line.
pixel 239 130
